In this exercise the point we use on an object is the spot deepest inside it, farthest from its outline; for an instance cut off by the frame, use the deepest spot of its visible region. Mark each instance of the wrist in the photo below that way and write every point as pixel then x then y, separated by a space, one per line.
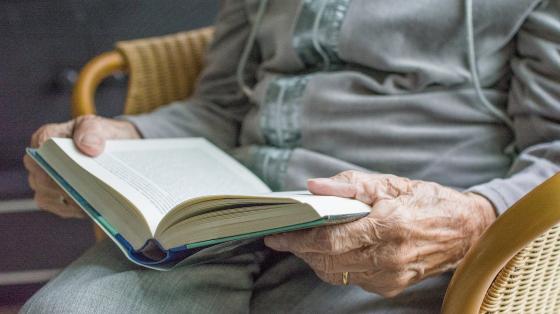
pixel 484 211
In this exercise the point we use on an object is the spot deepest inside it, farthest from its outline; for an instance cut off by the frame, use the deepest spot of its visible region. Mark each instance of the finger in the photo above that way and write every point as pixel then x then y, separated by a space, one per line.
pixel 388 187
pixel 335 239
pixel 61 210
pixel 43 181
pixel 381 256
pixel 327 186
pixel 30 164
pixel 353 176
pixel 71 210
pixel 338 278
pixel 58 204
pixel 66 205
pixel 354 261
pixel 333 278
pixel 41 188
pixel 89 135
pixel 43 185
pixel 373 187
pixel 53 193
pixel 343 184
pixel 51 130
pixel 386 283
pixel 351 184
pixel 37 178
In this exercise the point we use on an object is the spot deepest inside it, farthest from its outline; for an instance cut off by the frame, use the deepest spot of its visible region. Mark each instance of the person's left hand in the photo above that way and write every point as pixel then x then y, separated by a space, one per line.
pixel 416 229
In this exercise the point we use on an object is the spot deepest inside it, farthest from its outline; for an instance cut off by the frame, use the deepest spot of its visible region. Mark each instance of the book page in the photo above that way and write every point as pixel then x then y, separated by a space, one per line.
pixel 156 175
pixel 327 206
pixel 324 205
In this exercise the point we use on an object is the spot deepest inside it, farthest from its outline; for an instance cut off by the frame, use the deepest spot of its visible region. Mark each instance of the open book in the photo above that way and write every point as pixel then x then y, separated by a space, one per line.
pixel 161 200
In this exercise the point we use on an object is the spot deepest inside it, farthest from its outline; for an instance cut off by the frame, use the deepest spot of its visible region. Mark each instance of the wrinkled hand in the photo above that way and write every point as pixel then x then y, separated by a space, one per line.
pixel 89 134
pixel 416 229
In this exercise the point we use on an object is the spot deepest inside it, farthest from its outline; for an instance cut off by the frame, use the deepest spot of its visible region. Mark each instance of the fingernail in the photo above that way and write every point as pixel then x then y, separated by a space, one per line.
pixel 91 140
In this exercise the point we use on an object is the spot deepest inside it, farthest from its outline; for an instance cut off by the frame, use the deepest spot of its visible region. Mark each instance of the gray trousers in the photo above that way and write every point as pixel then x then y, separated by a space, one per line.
pixel 238 277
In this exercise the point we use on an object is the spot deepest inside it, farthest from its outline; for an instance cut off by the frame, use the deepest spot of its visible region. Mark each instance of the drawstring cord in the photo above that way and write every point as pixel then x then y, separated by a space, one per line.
pixel 469 20
pixel 474 68
pixel 240 73
pixel 247 50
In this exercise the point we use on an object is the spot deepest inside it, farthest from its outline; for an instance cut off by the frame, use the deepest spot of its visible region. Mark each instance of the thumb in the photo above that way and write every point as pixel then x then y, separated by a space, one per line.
pixel 328 186
pixel 89 135
pixel 343 184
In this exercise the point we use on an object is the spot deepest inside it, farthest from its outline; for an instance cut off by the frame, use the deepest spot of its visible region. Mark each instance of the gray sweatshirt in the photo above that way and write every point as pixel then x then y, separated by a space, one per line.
pixel 464 94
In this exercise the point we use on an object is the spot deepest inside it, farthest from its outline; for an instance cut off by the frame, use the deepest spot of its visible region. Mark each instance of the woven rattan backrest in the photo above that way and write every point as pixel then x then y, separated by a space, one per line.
pixel 163 69
pixel 530 282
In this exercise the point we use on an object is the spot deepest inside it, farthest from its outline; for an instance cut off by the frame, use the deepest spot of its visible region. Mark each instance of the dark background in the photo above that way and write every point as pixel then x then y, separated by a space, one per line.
pixel 43 45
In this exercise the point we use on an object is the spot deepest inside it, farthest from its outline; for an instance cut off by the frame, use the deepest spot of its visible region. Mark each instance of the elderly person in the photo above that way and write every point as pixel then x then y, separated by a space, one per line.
pixel 438 114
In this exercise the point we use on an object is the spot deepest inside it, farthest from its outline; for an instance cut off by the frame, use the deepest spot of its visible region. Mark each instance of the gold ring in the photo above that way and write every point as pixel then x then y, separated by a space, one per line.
pixel 345 278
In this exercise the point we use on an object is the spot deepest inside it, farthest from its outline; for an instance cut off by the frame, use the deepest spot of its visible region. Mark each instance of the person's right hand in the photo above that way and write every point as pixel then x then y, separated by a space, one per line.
pixel 89 134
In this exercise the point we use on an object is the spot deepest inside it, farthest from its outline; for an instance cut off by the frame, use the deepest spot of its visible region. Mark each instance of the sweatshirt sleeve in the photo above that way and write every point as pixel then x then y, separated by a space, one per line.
pixel 534 106
pixel 218 106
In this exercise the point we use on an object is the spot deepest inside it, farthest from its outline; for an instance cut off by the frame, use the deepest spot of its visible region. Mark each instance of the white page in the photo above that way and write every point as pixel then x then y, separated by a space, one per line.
pixel 156 175
pixel 332 205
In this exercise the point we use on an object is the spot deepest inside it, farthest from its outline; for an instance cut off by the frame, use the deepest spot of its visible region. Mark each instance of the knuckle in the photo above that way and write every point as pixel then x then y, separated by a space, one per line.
pixel 88 125
pixel 391 293
pixel 401 281
pixel 347 176
pixel 42 179
pixel 87 120
pixel 48 130
pixel 351 174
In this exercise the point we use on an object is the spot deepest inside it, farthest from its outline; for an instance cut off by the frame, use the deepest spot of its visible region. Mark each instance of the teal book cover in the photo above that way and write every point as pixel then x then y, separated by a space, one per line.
pixel 152 255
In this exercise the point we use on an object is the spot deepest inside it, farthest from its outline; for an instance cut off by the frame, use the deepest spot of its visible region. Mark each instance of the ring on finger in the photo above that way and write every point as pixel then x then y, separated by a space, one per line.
pixel 345 276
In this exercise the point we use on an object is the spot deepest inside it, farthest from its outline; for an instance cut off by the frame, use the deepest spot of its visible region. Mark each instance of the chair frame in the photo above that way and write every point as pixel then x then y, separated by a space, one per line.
pixel 524 222
pixel 93 73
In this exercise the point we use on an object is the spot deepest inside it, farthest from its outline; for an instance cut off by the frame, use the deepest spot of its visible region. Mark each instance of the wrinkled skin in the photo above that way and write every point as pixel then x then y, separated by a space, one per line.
pixel 416 229
pixel 89 134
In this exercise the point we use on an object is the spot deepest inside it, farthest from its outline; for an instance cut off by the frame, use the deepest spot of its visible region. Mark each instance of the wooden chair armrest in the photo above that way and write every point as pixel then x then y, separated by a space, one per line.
pixel 530 217
pixel 161 70
pixel 93 73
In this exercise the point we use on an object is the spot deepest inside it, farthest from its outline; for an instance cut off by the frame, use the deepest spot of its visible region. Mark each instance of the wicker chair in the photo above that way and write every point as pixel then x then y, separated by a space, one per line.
pixel 515 267
pixel 161 70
